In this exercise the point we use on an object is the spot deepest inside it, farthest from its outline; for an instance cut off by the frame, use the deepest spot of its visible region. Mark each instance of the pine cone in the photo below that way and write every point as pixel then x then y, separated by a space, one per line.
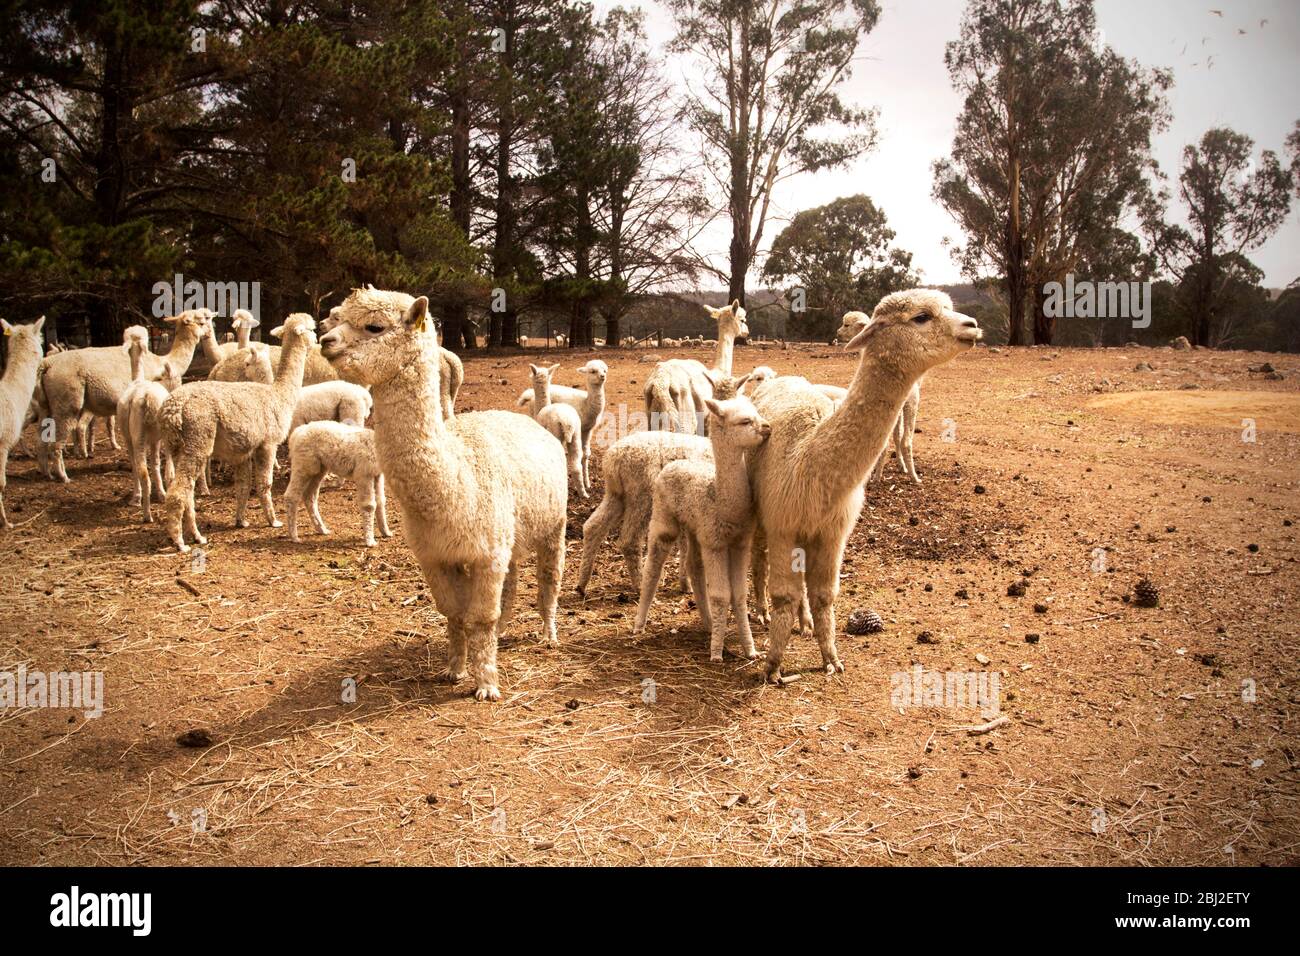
pixel 864 622
pixel 1146 594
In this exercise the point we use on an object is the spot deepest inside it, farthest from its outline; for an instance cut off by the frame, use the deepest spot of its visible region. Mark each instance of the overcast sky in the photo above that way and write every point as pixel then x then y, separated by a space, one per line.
pixel 1252 87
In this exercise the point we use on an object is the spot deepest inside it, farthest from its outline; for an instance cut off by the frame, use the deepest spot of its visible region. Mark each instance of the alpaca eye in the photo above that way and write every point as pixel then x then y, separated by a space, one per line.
pixel 374 329
pixel 922 318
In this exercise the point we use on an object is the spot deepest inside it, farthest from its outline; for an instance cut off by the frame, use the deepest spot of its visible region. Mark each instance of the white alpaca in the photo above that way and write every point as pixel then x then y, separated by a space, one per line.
pixel 243 323
pixel 905 427
pixel 240 423
pixel 561 340
pixel 631 466
pixel 674 391
pixel 523 341
pixel 589 402
pixel 710 503
pixel 74 385
pixel 332 402
pixel 807 478
pixel 478 493
pixel 22 362
pixel 137 417
pixel 560 420
pixel 348 451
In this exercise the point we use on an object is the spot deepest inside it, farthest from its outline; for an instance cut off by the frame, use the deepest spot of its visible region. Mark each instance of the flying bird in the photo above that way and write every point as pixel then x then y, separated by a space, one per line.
pixel 1241 31
pixel 1217 13
pixel 1263 24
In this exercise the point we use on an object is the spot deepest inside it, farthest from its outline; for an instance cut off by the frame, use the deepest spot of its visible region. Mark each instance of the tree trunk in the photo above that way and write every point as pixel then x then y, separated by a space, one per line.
pixel 1044 325
pixel 457 334
pixel 110 177
pixel 739 200
pixel 504 258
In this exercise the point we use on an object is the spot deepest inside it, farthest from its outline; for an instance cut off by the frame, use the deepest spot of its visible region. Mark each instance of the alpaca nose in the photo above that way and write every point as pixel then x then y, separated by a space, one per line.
pixel 765 430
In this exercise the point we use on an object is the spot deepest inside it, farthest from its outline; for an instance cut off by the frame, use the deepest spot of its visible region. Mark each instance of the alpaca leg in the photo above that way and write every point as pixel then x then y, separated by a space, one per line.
pixel 313 500
pixel 205 476
pixel 112 433
pixel 822 577
pixel 264 474
pixel 657 553
pixel 4 473
pixel 293 496
pixel 366 494
pixel 508 588
pixel 899 441
pixel 178 509
pixel 64 431
pixel 448 585
pixel 85 434
pixel 550 574
pixel 143 484
pixel 482 611
pixel 685 562
pixel 758 556
pixel 737 568
pixel 594 531
pixel 699 585
pixel 243 479
pixel 191 518
pixel 909 434
pixel 717 586
pixel 381 505
pixel 632 538
pixel 158 489
pixel 786 590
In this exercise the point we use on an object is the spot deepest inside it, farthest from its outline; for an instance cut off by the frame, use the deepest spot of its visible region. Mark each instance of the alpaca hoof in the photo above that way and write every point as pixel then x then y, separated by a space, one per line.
pixel 834 667
pixel 772 673
pixel 182 547
pixel 715 658
pixel 241 522
pixel 370 542
pixel 582 590
pixel 9 525
pixel 446 676
pixel 487 692
pixel 275 524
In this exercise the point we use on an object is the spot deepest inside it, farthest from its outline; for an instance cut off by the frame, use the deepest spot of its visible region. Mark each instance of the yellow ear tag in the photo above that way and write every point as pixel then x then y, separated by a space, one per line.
pixel 7 331
pixel 427 327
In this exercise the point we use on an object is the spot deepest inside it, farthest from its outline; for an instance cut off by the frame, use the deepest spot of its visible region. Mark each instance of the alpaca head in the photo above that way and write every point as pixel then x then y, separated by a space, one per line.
pixel 24 339
pixel 595 372
pixel 736 423
pixel 377 335
pixel 197 322
pixel 730 319
pixel 851 325
pixel 135 336
pixel 168 375
pixel 761 374
pixel 299 326
pixel 257 364
pixel 243 319
pixel 331 320
pixel 916 330
pixel 541 376
pixel 725 386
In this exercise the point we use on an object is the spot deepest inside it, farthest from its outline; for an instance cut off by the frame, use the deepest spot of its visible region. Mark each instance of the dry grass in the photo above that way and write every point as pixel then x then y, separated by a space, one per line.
pixel 1123 746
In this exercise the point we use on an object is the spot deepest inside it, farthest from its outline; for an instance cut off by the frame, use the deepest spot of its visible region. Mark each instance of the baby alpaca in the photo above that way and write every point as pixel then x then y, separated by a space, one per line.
pixel 240 423
pixel 348 451
pixel 589 402
pixel 331 402
pixel 560 420
pixel 24 359
pixel 712 504
pixel 137 417
pixel 479 492
pixel 631 466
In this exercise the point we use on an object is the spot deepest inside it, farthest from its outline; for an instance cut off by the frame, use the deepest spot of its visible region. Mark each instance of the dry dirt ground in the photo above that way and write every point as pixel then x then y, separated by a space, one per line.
pixel 1134 736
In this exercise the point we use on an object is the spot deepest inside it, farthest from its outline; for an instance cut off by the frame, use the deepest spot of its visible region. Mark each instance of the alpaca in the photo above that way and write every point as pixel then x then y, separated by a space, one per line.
pixel 711 503
pixel 675 389
pixel 241 423
pixel 243 323
pixel 73 384
pixel 631 465
pixel 331 402
pixel 348 451
pixel 16 387
pixel 561 340
pixel 589 402
pixel 523 341
pixel 478 492
pixel 137 416
pixel 807 478
pixel 905 427
pixel 560 420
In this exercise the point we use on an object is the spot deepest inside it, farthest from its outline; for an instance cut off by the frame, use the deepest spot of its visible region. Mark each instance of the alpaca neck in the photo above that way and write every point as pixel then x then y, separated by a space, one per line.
pixel 183 346
pixel 541 396
pixel 242 335
pixel 841 450
pixel 731 480
pixel 209 343
pixel 293 360
pixel 726 348
pixel 408 416
pixel 137 362
pixel 20 376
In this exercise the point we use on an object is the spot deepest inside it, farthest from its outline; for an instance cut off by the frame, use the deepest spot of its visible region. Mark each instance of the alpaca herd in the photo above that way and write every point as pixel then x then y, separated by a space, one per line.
pixel 763 472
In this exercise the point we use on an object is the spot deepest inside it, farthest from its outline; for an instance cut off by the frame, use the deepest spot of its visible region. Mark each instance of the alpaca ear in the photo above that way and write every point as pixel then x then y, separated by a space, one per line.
pixel 9 329
pixel 533 369
pixel 740 383
pixel 711 377
pixel 711 310
pixel 735 305
pixel 277 332
pixel 415 314
pixel 551 370
pixel 859 341
pixel 40 324
pixel 715 409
